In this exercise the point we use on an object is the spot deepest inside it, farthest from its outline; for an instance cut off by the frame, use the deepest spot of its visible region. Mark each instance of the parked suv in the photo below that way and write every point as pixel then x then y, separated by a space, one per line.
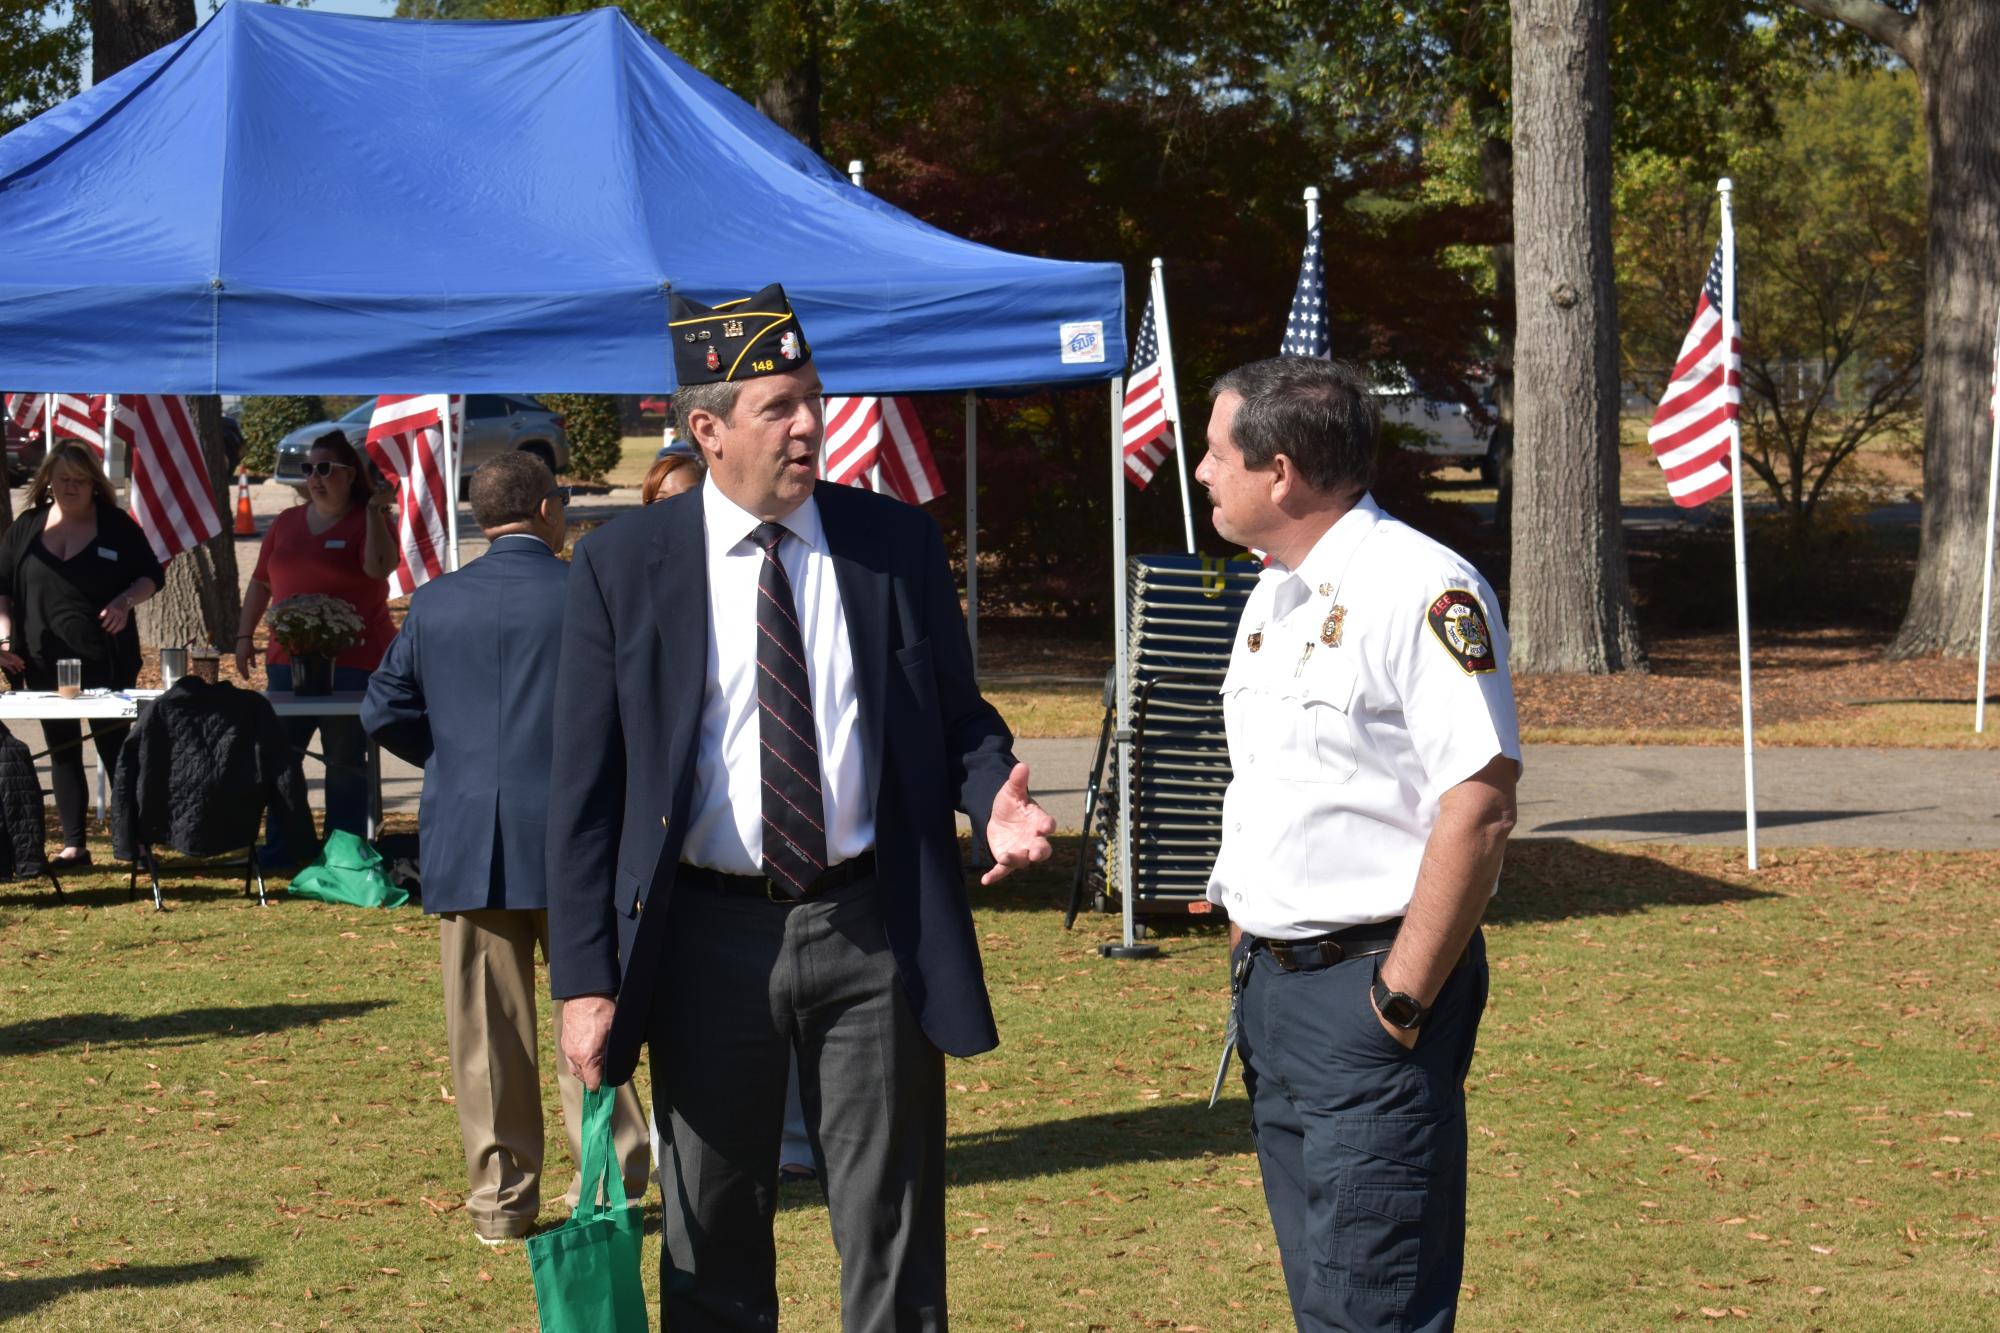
pixel 494 424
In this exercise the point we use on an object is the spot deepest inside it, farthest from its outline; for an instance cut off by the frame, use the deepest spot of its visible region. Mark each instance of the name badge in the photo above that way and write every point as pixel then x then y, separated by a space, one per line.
pixel 336 543
pixel 106 553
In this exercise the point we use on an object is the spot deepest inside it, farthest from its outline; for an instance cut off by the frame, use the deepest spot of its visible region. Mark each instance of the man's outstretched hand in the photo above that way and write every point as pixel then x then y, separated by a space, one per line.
pixel 586 1033
pixel 1018 832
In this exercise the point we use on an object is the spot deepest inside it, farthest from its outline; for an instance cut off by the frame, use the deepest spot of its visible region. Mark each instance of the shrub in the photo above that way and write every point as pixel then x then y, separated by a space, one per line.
pixel 265 421
pixel 595 432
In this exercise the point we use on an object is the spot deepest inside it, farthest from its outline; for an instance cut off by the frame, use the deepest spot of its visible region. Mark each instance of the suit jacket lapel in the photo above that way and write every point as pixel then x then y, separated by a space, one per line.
pixel 863 579
pixel 677 571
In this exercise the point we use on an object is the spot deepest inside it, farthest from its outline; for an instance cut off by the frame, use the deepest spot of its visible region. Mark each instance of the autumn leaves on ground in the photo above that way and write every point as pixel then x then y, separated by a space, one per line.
pixel 1702 1096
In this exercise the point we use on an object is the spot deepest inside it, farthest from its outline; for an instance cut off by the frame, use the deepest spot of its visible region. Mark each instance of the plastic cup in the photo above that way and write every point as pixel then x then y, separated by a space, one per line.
pixel 69 677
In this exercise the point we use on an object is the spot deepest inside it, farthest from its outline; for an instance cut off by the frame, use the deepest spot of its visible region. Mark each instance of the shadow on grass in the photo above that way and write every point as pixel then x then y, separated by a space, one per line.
pixel 1689 823
pixel 1555 879
pixel 22 1295
pixel 104 886
pixel 42 1035
pixel 1176 1131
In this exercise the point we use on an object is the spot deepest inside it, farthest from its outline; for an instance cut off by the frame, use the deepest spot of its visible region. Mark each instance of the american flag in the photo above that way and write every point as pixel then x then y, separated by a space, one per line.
pixel 863 433
pixel 1148 435
pixel 1691 429
pixel 406 440
pixel 172 499
pixel 1305 326
pixel 77 416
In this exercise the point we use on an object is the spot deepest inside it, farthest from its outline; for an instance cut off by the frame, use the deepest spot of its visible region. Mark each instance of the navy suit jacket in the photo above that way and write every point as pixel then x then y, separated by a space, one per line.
pixel 628 717
pixel 468 691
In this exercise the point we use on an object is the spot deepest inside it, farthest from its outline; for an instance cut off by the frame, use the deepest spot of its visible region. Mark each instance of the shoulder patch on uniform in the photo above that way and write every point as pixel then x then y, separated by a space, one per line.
pixel 1460 626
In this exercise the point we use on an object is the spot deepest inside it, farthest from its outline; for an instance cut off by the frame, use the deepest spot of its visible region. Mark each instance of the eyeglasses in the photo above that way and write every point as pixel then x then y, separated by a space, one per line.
pixel 324 468
pixel 561 493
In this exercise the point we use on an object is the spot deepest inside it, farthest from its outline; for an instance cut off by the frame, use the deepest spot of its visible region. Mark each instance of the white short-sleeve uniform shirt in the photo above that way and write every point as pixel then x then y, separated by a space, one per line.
pixel 1363 685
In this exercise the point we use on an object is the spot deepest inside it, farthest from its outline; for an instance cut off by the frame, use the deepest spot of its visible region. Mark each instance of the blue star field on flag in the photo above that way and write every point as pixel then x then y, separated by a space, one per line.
pixel 1305 327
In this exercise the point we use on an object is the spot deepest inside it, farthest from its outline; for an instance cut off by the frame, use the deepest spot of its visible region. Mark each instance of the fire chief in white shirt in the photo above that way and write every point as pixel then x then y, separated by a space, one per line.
pixel 1372 733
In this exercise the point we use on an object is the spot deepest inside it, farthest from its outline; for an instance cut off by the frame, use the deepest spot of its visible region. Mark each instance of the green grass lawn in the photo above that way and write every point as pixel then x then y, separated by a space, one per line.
pixel 1702 1096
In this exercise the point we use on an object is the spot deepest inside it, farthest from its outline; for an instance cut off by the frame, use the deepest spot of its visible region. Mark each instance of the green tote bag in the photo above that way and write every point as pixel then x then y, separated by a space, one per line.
pixel 348 870
pixel 586 1271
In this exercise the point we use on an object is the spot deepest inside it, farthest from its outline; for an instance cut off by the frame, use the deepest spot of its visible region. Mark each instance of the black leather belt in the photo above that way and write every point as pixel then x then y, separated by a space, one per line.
pixel 1319 951
pixel 760 886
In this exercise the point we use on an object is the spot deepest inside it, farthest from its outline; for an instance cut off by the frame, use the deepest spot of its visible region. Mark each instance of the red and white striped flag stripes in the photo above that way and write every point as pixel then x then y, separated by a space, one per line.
pixel 406 440
pixel 1690 430
pixel 864 432
pixel 1147 436
pixel 78 416
pixel 172 498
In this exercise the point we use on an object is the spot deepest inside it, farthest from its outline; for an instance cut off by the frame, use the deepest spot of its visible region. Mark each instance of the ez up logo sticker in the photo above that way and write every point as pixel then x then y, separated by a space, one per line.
pixel 1083 341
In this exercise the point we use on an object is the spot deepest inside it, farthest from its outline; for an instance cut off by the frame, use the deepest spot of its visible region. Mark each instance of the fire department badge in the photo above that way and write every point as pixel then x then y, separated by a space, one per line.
pixel 1256 639
pixel 1460 626
pixel 1329 629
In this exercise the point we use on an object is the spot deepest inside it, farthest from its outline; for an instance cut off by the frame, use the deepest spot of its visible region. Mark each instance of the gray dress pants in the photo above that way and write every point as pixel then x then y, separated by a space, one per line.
pixel 747 982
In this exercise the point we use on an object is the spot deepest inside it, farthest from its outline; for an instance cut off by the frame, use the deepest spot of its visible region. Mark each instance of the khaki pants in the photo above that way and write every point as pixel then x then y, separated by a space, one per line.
pixel 489 1007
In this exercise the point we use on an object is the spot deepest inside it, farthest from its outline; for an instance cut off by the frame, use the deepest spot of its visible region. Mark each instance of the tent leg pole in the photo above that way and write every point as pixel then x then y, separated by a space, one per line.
pixel 451 485
pixel 972 527
pixel 1128 946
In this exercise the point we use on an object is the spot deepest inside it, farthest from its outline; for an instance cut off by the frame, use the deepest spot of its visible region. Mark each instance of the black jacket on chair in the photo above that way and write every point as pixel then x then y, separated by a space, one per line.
pixel 198 769
pixel 22 833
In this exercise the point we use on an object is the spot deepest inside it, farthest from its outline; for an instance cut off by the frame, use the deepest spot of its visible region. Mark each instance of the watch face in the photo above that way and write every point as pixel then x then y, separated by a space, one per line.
pixel 1400 1009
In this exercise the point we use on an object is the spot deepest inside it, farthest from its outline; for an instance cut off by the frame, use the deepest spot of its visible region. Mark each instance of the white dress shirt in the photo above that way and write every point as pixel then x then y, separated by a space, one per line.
pixel 1341 750
pixel 727 828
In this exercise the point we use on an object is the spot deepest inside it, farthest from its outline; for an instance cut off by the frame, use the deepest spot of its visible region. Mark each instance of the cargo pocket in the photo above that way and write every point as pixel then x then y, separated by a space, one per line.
pixel 1388 1218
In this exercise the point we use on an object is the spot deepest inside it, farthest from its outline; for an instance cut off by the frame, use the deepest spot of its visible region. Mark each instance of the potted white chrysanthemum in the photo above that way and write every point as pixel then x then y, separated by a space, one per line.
pixel 314 629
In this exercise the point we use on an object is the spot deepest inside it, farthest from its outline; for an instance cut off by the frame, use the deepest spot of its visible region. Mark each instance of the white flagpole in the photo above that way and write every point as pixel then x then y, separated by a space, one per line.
pixel 1312 207
pixel 117 464
pixel 1723 187
pixel 971 526
pixel 1121 858
pixel 855 168
pixel 451 486
pixel 1170 388
pixel 1992 499
pixel 48 423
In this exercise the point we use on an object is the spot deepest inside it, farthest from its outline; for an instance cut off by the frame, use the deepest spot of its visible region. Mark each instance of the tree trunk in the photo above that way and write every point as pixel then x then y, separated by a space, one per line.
pixel 122 31
pixel 202 600
pixel 792 100
pixel 1957 51
pixel 1571 606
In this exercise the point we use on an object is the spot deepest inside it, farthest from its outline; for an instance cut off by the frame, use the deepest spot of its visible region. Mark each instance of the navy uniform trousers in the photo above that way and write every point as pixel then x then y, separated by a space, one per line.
pixel 1362 1142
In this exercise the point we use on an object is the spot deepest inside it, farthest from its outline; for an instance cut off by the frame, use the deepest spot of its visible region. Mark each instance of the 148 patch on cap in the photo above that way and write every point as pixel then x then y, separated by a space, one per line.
pixel 1461 627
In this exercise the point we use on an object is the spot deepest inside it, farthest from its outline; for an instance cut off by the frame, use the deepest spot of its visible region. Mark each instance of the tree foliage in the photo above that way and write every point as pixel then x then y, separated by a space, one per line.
pixel 265 421
pixel 1830 240
pixel 595 435
pixel 41 57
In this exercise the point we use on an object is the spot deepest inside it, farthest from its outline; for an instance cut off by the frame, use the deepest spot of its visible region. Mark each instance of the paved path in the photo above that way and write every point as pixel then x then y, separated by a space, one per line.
pixel 1934 799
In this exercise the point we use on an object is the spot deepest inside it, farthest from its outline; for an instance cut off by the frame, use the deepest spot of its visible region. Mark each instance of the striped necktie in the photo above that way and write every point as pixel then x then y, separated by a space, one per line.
pixel 794 808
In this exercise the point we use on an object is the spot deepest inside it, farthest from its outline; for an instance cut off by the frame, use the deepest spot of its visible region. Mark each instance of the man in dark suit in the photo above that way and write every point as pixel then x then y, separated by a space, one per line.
pixel 467 690
pixel 767 714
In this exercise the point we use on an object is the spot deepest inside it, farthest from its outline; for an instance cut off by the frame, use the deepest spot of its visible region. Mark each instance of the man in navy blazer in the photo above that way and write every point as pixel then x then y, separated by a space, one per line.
pixel 766 716
pixel 468 691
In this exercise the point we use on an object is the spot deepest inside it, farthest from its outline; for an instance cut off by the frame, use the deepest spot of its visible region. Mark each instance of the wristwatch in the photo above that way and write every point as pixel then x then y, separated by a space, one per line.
pixel 1396 1008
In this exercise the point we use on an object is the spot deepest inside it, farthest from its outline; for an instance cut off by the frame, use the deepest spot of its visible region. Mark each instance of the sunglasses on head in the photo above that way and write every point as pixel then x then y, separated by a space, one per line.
pixel 325 468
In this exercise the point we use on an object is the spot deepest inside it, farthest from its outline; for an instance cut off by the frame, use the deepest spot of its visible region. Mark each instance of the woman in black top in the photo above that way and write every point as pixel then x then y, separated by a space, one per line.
pixel 71 570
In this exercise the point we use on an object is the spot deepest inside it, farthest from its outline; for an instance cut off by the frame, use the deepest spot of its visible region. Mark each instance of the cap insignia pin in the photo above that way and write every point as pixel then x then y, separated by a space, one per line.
pixel 732 328
pixel 714 361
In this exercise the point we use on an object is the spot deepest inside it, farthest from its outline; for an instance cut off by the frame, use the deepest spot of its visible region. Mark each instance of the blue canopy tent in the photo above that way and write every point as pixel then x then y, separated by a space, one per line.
pixel 285 201
pixel 292 202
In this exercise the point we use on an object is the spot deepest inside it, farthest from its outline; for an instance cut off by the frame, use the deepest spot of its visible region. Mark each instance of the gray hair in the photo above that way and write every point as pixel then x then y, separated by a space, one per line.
pixel 1318 413
pixel 717 398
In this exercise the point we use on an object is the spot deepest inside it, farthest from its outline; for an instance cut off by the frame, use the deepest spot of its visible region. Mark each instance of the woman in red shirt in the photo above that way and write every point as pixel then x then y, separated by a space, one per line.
pixel 338 543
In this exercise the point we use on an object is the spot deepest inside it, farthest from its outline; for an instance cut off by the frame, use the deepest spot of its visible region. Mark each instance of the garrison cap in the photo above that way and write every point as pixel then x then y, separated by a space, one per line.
pixel 737 340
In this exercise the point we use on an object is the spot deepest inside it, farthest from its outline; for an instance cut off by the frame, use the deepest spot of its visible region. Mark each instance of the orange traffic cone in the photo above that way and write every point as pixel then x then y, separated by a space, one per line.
pixel 246 522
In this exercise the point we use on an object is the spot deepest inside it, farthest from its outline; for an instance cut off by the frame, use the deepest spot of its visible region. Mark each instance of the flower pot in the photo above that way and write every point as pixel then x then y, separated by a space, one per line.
pixel 312 674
